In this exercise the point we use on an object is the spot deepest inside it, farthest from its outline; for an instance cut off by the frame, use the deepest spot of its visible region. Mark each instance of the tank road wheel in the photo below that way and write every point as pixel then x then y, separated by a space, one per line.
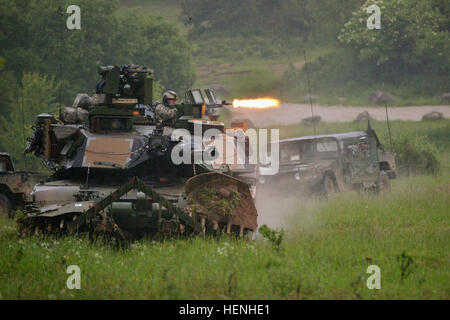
pixel 5 206
pixel 328 187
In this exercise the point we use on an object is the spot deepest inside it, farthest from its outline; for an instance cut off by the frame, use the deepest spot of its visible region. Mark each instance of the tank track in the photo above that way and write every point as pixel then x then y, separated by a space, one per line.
pixel 98 221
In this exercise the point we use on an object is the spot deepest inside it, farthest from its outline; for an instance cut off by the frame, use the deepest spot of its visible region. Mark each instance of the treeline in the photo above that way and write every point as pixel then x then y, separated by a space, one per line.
pixel 34 38
pixel 409 56
pixel 307 19
pixel 39 50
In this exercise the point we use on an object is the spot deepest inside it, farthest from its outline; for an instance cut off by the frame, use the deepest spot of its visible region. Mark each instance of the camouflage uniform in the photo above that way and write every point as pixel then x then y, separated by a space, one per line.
pixel 165 113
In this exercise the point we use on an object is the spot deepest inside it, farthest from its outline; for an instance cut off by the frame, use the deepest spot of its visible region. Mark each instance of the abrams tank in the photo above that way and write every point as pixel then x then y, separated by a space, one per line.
pixel 117 171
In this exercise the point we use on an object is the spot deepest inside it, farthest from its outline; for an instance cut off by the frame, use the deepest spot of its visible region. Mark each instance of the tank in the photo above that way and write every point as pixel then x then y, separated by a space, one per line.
pixel 114 172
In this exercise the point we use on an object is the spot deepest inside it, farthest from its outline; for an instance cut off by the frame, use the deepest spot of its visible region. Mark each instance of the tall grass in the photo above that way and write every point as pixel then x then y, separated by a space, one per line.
pixel 325 254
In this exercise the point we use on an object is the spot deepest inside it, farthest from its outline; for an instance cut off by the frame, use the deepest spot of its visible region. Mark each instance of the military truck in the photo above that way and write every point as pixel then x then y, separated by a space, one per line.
pixel 15 186
pixel 325 164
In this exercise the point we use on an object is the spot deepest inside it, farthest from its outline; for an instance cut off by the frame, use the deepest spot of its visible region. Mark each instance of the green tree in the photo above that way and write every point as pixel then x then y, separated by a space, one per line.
pixel 43 44
pixel 8 83
pixel 153 42
pixel 158 90
pixel 37 95
pixel 413 34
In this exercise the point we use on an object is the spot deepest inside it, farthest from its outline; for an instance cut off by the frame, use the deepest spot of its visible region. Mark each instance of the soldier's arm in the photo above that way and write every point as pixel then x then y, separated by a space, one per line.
pixel 165 113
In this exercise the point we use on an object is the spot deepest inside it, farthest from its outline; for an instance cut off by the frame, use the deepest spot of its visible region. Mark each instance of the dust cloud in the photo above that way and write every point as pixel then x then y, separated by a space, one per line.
pixel 289 211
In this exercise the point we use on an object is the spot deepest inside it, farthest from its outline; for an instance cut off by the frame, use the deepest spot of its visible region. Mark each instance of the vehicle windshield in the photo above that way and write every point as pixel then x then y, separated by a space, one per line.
pixel 289 152
pixel 308 150
pixel 319 149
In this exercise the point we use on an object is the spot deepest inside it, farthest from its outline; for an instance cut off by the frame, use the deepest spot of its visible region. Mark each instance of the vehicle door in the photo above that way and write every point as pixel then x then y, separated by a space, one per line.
pixel 363 160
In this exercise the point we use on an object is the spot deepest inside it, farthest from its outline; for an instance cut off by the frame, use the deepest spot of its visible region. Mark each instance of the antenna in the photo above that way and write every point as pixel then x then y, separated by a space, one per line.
pixel 23 131
pixel 388 125
pixel 189 56
pixel 309 96
pixel 87 177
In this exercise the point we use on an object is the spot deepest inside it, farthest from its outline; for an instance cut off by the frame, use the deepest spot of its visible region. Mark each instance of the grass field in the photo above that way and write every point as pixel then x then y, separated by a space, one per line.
pixel 170 10
pixel 324 255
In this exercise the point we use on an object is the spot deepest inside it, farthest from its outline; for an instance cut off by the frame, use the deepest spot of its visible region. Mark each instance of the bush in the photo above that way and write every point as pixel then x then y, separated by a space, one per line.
pixel 416 155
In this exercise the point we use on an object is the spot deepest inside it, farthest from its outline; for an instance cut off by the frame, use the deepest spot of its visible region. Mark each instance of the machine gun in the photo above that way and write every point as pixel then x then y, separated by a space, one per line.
pixel 200 109
pixel 211 103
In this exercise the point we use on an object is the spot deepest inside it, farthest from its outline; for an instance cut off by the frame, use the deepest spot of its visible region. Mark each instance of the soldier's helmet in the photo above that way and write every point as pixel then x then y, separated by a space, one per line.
pixel 169 95
pixel 363 143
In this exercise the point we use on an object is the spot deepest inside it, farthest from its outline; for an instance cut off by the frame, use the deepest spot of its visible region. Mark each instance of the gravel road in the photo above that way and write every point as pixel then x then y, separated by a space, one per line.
pixel 289 113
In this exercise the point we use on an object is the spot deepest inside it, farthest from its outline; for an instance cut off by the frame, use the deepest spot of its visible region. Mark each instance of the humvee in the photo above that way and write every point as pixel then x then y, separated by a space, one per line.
pixel 15 186
pixel 325 164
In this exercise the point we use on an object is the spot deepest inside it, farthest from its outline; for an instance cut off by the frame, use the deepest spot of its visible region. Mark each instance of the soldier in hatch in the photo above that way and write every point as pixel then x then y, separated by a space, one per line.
pixel 166 112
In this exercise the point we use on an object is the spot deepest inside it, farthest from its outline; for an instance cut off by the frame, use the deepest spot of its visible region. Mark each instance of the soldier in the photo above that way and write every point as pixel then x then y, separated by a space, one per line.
pixel 166 112
pixel 364 147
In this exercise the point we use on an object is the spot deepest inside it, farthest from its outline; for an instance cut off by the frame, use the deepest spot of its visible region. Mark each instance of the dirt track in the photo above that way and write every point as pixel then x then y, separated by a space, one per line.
pixel 289 113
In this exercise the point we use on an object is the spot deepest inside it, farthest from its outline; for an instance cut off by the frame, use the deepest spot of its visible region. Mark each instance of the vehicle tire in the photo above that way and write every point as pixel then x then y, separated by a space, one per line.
pixel 5 206
pixel 328 187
